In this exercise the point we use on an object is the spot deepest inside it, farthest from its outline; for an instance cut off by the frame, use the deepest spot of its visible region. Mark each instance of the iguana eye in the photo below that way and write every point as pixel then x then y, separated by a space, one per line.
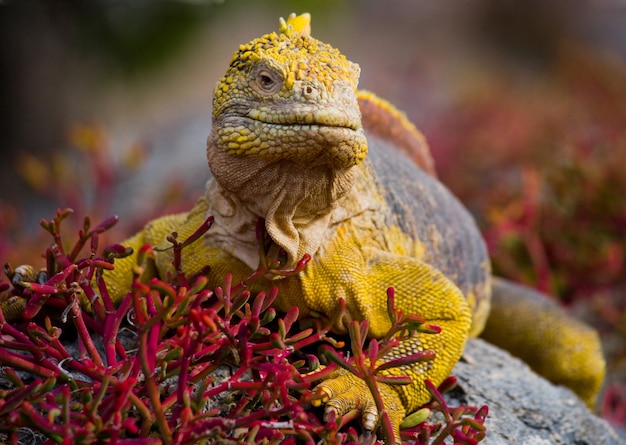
pixel 267 82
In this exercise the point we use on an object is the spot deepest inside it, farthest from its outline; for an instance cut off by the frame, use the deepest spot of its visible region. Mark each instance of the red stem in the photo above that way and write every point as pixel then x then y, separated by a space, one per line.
pixel 84 334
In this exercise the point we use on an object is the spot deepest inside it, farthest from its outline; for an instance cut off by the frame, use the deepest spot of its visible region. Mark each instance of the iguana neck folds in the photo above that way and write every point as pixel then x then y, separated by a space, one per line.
pixel 296 202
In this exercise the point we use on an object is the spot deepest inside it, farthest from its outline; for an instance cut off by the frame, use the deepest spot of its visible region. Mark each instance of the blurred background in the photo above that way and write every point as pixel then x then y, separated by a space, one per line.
pixel 105 108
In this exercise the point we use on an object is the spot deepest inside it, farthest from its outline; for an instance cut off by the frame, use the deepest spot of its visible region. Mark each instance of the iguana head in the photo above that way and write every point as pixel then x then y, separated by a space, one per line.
pixel 288 96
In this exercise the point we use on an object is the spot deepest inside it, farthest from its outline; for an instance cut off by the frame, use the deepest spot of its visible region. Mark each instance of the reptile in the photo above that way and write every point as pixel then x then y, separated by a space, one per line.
pixel 343 176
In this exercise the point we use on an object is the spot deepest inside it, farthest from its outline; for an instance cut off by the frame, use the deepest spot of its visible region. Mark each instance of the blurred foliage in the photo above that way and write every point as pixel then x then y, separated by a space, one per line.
pixel 541 166
pixel 140 36
pixel 83 175
pixel 542 169
pixel 137 36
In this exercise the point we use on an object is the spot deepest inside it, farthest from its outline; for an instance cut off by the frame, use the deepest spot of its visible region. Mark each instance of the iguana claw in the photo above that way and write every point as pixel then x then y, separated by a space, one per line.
pixel 344 392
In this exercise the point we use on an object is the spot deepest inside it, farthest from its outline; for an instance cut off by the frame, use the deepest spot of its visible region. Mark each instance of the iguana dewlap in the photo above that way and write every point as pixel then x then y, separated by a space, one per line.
pixel 343 176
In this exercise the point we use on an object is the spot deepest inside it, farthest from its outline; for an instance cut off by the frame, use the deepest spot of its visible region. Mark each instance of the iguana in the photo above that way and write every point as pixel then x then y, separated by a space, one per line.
pixel 342 175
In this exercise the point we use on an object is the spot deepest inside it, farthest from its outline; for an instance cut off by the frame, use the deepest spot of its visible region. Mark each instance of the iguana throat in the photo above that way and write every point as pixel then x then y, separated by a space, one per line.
pixel 286 139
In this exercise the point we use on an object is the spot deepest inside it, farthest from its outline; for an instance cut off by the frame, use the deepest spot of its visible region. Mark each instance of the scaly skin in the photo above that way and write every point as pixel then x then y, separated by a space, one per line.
pixel 358 193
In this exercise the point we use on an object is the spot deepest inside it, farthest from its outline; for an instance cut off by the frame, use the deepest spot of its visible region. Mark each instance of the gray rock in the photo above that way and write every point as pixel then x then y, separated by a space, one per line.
pixel 524 408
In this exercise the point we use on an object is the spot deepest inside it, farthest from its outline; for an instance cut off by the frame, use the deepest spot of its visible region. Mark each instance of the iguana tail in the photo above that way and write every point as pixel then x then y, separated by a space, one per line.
pixel 536 329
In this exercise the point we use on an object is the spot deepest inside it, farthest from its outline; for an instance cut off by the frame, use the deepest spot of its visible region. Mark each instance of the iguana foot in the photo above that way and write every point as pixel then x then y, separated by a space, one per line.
pixel 344 392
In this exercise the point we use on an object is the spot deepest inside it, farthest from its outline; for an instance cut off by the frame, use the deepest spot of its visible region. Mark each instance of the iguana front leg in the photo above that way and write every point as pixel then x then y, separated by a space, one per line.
pixel 419 289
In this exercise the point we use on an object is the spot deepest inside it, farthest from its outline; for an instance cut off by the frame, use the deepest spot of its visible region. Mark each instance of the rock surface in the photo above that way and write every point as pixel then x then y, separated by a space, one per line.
pixel 523 407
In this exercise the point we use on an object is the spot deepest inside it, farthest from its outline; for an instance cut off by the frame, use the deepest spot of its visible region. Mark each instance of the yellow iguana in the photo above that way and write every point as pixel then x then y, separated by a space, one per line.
pixel 341 175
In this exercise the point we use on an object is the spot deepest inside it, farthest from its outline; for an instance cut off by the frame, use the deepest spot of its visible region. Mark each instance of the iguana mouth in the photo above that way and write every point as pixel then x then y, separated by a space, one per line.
pixel 326 117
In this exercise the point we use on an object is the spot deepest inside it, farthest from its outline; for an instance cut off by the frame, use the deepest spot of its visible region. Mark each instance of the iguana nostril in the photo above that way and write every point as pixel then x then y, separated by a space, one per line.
pixel 310 92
